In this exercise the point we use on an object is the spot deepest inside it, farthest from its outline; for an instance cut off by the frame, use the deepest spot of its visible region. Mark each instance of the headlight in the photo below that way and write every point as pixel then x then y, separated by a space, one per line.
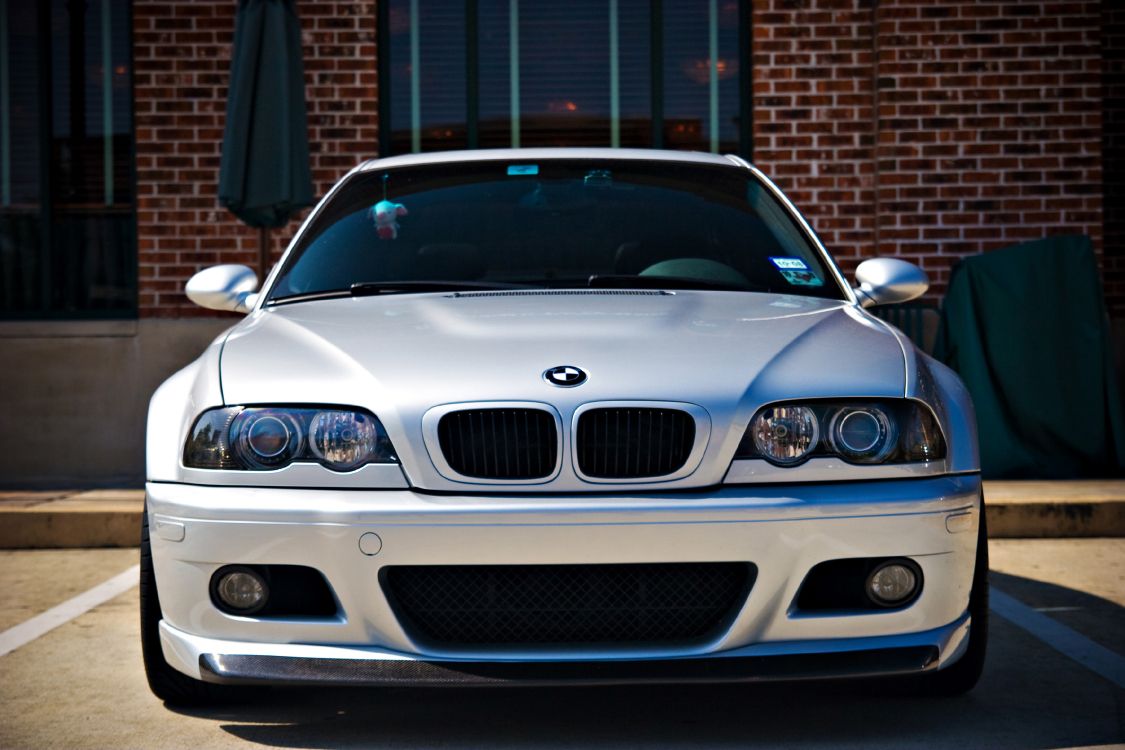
pixel 266 438
pixel 343 439
pixel 867 432
pixel 785 434
pixel 262 438
pixel 864 434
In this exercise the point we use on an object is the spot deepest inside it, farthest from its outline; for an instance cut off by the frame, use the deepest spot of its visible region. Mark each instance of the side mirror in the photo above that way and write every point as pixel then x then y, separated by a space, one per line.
pixel 227 287
pixel 885 281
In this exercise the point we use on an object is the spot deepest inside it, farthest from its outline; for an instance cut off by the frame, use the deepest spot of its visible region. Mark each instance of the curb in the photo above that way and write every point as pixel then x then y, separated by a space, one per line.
pixel 55 520
pixel 1055 509
pixel 112 518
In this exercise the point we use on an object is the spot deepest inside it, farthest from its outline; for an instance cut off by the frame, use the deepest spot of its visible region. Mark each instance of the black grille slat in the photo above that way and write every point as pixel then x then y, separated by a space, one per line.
pixel 632 443
pixel 567 604
pixel 504 444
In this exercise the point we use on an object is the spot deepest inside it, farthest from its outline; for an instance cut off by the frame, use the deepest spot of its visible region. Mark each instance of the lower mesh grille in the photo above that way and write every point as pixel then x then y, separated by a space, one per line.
pixel 566 604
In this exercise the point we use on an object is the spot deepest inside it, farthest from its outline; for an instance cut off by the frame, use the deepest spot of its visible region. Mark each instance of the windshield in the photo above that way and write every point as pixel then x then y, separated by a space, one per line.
pixel 554 223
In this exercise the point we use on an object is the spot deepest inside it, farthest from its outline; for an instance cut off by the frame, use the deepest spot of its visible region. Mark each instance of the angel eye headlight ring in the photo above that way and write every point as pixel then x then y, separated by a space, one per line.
pixel 864 433
pixel 267 438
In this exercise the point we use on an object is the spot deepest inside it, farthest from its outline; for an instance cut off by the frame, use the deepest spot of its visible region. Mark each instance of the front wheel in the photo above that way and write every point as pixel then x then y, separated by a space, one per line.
pixel 961 676
pixel 168 684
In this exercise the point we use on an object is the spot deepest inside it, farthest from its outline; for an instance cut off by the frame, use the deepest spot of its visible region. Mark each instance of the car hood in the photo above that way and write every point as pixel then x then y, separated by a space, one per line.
pixel 401 355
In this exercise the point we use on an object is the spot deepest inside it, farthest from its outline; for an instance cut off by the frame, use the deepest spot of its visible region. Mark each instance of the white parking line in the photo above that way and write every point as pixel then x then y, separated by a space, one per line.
pixel 1096 658
pixel 41 624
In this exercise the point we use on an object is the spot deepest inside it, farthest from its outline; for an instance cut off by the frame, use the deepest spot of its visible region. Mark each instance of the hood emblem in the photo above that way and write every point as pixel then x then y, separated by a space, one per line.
pixel 565 376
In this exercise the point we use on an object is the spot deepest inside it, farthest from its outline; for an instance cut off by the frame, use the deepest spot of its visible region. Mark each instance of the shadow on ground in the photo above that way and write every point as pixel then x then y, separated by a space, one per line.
pixel 1029 697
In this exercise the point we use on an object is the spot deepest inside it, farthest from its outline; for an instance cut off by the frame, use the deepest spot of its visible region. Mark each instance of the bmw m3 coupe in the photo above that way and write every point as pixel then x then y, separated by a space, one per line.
pixel 560 416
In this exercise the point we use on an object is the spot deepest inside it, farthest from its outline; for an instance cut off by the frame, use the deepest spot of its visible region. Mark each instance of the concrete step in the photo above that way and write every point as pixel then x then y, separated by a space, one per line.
pixel 94 518
pixel 112 518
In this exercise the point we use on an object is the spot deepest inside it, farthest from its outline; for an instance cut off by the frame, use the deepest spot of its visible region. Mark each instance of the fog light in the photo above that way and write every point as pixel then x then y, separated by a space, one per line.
pixel 893 583
pixel 239 590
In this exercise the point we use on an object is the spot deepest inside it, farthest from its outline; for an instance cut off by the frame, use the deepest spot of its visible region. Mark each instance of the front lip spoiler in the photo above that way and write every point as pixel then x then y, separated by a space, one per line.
pixel 267 669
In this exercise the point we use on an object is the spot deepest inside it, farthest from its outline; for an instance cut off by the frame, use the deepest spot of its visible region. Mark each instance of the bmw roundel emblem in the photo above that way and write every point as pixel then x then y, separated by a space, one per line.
pixel 565 376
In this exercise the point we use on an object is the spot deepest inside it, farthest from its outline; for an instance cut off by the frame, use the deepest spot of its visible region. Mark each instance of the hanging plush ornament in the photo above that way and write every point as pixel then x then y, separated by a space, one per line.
pixel 386 214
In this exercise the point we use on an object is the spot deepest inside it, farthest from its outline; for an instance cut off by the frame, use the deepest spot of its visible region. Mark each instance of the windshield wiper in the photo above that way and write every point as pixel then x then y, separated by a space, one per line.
pixel 363 288
pixel 636 281
pixel 371 288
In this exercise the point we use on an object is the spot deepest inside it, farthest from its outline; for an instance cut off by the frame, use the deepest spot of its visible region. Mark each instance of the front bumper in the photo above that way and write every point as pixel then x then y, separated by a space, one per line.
pixel 783 530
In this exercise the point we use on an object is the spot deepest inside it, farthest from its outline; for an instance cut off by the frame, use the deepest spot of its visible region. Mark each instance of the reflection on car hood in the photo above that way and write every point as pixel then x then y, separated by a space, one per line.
pixel 400 355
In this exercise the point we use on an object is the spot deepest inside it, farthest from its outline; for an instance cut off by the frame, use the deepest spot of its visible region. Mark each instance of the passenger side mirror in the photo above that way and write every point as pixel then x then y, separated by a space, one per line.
pixel 885 281
pixel 227 287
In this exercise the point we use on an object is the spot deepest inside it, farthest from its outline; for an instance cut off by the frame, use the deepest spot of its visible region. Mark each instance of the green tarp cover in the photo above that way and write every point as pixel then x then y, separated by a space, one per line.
pixel 265 177
pixel 1026 329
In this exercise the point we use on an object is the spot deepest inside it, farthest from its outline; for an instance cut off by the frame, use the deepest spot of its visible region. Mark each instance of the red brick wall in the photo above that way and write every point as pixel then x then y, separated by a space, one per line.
pixel 986 127
pixel 814 115
pixel 182 65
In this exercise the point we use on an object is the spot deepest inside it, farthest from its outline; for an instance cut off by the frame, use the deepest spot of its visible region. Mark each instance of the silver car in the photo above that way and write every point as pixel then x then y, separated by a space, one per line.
pixel 560 416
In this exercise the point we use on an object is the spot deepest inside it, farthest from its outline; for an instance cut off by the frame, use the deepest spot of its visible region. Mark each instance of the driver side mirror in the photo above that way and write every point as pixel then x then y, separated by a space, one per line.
pixel 885 281
pixel 227 287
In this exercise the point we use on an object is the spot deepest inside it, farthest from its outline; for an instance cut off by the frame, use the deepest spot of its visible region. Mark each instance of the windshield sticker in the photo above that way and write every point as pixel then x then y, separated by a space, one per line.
pixel 795 264
pixel 515 170
pixel 385 214
pixel 800 278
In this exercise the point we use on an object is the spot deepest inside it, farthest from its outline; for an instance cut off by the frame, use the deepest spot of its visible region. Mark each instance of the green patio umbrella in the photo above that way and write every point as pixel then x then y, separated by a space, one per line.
pixel 264 176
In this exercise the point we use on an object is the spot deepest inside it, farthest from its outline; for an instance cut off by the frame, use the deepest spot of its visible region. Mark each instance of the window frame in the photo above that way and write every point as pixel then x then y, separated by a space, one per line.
pixel 656 78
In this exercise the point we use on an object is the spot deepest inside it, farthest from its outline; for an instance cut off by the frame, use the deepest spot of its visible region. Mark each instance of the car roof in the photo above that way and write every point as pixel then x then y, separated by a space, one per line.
pixel 541 154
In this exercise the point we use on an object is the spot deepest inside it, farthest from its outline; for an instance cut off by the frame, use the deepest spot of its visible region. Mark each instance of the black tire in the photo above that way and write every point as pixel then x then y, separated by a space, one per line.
pixel 166 683
pixel 961 676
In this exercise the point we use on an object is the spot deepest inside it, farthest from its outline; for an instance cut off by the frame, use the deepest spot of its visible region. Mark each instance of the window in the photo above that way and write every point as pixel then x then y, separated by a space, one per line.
pixel 67 213
pixel 507 73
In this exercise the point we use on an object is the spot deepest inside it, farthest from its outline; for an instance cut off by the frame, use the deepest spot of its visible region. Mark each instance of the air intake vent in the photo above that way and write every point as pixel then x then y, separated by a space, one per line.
pixel 500 444
pixel 567 604
pixel 633 443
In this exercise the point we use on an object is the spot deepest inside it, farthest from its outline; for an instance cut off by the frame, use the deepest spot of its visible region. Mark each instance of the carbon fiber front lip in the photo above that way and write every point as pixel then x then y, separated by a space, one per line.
pixel 259 669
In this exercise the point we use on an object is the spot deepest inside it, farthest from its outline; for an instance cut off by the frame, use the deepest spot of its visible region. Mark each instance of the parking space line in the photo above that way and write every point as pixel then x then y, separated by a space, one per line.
pixel 28 630
pixel 1069 642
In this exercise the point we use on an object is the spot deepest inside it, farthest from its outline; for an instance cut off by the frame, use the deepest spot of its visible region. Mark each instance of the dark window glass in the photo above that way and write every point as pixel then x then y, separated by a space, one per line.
pixel 556 224
pixel 67 207
pixel 427 44
pixel 509 73
pixel 701 75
